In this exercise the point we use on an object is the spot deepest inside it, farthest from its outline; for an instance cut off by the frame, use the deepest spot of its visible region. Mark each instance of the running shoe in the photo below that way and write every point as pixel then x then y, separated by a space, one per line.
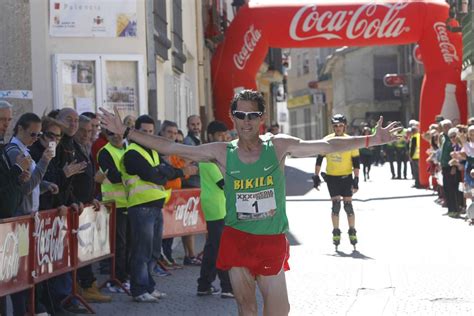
pixel 158 294
pixel 114 289
pixel 227 295
pixel 210 291
pixel 191 261
pixel 145 298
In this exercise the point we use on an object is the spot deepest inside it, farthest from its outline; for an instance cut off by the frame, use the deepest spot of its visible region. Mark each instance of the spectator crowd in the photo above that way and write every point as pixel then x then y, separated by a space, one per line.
pixel 450 161
pixel 64 161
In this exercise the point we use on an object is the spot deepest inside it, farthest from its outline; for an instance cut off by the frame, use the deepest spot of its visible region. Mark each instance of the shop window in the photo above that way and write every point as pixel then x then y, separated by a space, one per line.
pixel 307 123
pixel 87 82
pixel 305 63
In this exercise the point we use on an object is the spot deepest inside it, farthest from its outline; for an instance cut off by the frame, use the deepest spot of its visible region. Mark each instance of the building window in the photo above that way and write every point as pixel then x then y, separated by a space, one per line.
pixel 307 123
pixel 178 57
pixel 384 65
pixel 305 63
pixel 299 66
pixel 293 127
pixel 160 36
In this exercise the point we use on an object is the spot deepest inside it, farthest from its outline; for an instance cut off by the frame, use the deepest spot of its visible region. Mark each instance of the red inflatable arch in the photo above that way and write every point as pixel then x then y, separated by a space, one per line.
pixel 336 23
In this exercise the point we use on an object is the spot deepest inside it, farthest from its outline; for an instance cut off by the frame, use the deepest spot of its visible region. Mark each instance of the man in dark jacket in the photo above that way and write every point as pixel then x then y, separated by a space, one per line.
pixel 10 174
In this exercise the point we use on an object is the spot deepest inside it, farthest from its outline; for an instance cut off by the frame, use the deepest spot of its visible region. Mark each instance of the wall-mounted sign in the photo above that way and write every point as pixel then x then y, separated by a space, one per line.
pixel 393 80
pixel 300 101
pixel 93 18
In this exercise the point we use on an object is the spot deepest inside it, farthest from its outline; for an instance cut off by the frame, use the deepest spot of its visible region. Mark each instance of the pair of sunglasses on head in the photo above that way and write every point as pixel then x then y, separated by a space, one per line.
pixel 241 115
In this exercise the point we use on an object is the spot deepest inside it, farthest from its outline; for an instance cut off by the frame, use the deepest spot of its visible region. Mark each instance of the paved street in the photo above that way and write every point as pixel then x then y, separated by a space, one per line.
pixel 411 259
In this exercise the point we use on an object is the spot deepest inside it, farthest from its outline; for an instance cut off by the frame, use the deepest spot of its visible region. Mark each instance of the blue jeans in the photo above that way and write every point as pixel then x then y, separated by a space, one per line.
pixel 146 225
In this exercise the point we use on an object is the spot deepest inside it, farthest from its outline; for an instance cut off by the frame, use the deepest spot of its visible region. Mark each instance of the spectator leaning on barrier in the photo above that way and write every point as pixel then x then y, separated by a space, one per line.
pixel 26 132
pixel 67 166
pixel 213 207
pixel 113 189
pixel 83 193
pixel 11 191
pixel 10 185
pixel 143 174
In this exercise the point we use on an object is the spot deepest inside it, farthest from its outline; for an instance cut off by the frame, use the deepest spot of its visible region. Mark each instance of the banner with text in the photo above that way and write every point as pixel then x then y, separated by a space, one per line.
pixel 93 18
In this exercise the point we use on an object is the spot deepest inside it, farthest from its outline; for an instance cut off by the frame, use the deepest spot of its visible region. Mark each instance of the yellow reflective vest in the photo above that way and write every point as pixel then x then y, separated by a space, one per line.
pixel 138 190
pixel 416 155
pixel 114 191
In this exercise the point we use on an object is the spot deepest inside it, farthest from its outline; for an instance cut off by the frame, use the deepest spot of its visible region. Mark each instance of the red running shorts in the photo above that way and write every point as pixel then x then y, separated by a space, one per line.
pixel 261 254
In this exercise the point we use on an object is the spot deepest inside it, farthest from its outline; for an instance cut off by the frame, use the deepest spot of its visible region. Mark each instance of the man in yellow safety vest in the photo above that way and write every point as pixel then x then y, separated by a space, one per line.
pixel 112 189
pixel 145 175
pixel 415 153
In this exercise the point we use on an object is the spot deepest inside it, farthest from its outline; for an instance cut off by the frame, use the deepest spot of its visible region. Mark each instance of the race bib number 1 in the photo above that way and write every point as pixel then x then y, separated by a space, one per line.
pixel 255 205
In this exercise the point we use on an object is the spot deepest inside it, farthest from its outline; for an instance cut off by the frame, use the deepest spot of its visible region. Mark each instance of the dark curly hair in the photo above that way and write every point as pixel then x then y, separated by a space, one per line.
pixel 248 95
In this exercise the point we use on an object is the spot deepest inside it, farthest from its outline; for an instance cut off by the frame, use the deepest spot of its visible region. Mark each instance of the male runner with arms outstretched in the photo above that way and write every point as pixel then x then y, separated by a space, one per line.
pixel 253 246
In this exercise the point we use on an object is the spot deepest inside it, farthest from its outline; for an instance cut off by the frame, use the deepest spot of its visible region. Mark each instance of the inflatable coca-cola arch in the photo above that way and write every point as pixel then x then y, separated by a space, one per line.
pixel 335 23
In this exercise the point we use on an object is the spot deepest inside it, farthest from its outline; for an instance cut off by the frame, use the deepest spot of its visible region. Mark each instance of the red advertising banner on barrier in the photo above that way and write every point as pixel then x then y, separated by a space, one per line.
pixel 52 249
pixel 94 233
pixel 15 254
pixel 182 215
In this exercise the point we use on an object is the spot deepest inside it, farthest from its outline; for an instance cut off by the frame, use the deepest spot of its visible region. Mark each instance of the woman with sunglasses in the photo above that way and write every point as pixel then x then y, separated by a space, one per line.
pixel 27 130
pixel 253 245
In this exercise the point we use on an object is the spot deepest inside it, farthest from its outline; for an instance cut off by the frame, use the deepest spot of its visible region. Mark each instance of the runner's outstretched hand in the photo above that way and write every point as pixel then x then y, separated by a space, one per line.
pixel 112 122
pixel 388 134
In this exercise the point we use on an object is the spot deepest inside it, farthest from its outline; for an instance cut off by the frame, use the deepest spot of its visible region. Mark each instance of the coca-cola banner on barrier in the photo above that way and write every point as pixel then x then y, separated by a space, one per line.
pixel 93 233
pixel 183 215
pixel 335 23
pixel 15 254
pixel 51 244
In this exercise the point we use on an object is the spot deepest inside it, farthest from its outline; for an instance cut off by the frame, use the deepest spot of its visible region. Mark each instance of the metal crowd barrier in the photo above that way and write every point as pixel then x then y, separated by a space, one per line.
pixel 38 247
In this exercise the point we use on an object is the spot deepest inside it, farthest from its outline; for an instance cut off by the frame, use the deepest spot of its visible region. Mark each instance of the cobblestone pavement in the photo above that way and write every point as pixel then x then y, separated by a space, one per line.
pixel 411 260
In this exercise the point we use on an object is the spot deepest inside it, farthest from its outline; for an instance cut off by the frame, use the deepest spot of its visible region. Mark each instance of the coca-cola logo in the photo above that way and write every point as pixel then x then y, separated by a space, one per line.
pixel 10 256
pixel 188 212
pixel 50 241
pixel 309 23
pixel 251 38
pixel 448 50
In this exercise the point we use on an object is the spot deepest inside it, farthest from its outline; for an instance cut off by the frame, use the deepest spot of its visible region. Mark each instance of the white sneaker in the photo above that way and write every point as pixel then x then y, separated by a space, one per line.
pixel 145 298
pixel 158 294
pixel 126 285
pixel 114 289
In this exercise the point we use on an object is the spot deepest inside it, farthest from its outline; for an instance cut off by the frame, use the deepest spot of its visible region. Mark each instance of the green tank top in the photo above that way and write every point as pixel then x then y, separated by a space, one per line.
pixel 255 193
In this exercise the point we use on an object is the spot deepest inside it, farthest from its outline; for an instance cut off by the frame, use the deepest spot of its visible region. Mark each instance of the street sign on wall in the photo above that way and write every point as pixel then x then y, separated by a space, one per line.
pixel 393 80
